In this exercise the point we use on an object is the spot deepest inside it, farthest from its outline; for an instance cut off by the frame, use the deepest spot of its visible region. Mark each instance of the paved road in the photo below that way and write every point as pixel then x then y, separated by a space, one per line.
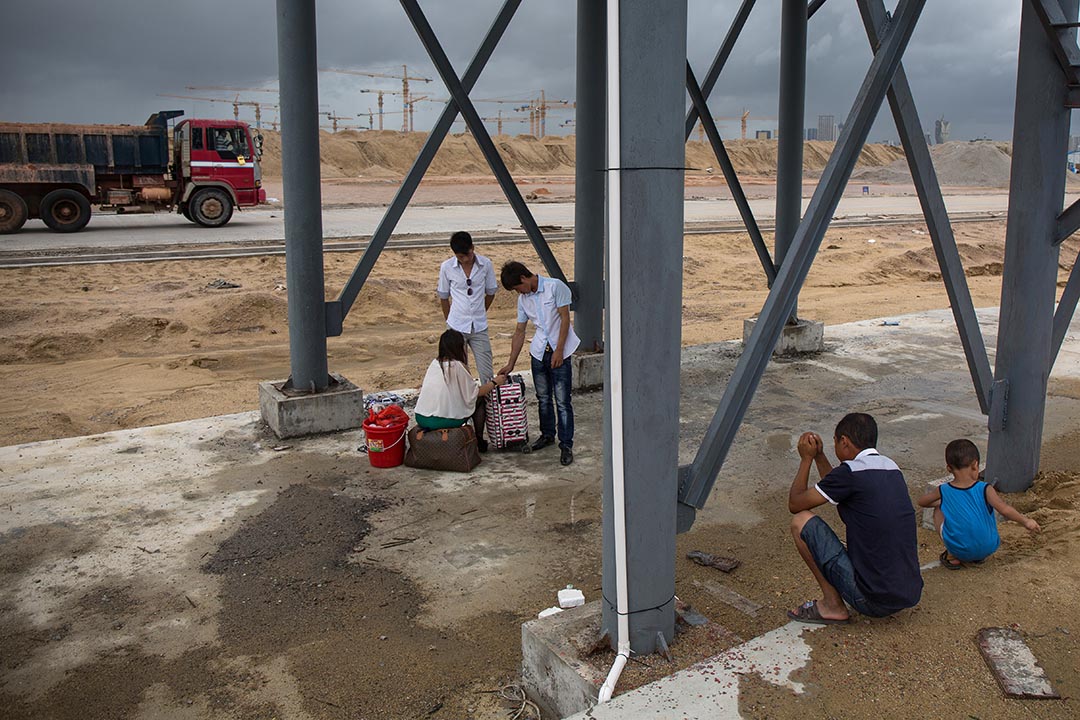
pixel 112 231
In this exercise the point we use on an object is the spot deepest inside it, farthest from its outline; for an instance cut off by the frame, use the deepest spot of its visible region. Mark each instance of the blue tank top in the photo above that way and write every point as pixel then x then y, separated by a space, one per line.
pixel 970 532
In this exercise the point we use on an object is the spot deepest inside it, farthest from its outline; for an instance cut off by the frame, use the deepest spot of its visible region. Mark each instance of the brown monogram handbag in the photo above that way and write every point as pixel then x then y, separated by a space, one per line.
pixel 452 449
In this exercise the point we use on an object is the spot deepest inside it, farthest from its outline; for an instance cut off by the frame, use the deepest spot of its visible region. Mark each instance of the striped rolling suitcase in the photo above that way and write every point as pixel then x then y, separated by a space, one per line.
pixel 507 421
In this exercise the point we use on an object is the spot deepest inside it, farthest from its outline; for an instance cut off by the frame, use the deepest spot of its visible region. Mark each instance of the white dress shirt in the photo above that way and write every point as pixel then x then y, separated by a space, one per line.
pixel 467 312
pixel 542 307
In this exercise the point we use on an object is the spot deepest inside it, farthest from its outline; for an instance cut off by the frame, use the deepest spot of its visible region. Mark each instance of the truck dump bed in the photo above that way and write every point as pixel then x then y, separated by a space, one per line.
pixel 110 149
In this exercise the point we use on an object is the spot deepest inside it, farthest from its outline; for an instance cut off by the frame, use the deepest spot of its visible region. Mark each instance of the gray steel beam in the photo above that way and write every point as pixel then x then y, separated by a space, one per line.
pixel 718 62
pixel 813 7
pixel 730 176
pixel 909 127
pixel 1066 307
pixel 299 75
pixel 480 135
pixel 589 176
pixel 1029 278
pixel 420 166
pixel 1060 33
pixel 699 478
pixel 653 38
pixel 1068 222
pixel 789 159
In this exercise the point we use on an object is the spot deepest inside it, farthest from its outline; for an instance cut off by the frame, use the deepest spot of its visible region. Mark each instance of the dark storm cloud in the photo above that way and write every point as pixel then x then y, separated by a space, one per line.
pixel 106 61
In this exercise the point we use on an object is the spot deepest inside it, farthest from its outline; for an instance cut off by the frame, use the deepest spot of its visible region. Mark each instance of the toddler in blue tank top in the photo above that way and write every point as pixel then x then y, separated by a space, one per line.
pixel 964 509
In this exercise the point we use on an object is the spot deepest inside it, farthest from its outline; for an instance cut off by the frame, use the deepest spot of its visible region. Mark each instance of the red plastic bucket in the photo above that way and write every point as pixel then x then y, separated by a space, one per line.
pixel 385 445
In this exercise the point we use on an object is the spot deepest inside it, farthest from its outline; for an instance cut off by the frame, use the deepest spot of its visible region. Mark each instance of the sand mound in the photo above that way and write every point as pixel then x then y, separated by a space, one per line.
pixel 141 329
pixel 245 313
pixel 386 153
pixel 973 164
pixel 922 264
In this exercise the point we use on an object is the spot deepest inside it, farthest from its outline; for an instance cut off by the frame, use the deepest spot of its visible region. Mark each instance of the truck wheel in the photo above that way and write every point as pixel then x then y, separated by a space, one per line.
pixel 65 211
pixel 185 210
pixel 210 207
pixel 13 212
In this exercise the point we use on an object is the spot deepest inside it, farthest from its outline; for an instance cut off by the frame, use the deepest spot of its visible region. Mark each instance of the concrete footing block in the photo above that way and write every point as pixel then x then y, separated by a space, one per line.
pixel 588 371
pixel 290 414
pixel 553 672
pixel 804 337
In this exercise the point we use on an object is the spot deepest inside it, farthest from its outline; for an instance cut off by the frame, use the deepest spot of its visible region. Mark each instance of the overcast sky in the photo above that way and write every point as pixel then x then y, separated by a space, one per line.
pixel 107 60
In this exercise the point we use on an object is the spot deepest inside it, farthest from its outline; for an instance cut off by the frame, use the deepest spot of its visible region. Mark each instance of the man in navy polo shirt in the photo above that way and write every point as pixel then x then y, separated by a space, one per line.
pixel 877 574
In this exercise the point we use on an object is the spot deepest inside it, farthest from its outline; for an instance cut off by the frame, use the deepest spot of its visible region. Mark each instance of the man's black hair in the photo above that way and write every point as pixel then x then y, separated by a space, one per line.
pixel 461 242
pixel 511 274
pixel 961 453
pixel 859 428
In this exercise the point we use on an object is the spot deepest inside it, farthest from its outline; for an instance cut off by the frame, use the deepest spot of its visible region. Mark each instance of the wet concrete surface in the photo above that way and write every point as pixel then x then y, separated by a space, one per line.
pixel 218 577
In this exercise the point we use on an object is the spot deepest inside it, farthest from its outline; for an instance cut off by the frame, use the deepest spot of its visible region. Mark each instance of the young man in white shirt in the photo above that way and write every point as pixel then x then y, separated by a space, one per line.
pixel 546 302
pixel 466 290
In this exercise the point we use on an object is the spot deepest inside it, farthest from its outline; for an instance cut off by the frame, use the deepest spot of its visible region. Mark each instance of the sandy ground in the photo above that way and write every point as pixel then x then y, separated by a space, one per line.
pixel 97 348
pixel 100 347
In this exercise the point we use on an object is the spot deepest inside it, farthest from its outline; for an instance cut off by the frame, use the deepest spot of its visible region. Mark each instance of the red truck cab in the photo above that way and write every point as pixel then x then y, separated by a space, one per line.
pixel 217 154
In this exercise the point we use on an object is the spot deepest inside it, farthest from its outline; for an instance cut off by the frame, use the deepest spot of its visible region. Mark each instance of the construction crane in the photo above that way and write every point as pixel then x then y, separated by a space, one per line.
pixel 538 108
pixel 743 120
pixel 499 119
pixel 405 77
pixel 236 103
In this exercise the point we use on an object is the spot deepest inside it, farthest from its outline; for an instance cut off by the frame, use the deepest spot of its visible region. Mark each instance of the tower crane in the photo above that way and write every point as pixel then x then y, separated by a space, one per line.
pixel 744 121
pixel 405 77
pixel 236 103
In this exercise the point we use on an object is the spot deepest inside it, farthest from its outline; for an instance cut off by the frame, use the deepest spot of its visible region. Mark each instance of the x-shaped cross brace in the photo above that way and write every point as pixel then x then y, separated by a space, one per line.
pixel 459 102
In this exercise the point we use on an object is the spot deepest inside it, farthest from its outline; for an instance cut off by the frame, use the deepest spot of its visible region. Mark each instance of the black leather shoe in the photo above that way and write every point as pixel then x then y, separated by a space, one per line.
pixel 482 445
pixel 542 442
pixel 566 456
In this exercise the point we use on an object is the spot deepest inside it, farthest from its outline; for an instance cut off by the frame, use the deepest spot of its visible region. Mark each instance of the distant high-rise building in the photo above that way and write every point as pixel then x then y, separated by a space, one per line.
pixel 811 133
pixel 763 135
pixel 929 140
pixel 941 130
pixel 826 128
pixel 1074 143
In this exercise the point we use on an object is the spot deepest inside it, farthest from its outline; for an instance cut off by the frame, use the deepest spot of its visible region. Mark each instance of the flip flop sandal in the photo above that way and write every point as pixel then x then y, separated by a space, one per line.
pixel 948 564
pixel 808 613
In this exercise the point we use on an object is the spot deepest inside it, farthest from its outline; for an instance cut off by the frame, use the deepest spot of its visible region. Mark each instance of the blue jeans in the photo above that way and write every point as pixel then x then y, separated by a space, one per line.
pixel 832 559
pixel 548 379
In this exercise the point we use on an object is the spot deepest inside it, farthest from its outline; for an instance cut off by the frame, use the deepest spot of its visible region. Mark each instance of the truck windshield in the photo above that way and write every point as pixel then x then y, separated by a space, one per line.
pixel 231 143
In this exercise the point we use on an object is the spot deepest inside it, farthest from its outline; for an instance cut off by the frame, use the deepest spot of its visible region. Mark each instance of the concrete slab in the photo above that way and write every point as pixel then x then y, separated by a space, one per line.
pixel 140 510
pixel 805 336
pixel 340 407
pixel 710 689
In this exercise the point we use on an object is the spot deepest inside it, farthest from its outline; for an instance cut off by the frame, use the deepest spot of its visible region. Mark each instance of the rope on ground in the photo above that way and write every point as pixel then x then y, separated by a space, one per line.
pixel 514 695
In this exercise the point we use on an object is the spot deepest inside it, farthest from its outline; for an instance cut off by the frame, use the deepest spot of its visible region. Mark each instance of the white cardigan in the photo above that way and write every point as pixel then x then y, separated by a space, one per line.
pixel 448 391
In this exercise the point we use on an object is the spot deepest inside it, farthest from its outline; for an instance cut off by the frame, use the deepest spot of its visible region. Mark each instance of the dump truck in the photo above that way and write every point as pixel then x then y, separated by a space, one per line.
pixel 202 169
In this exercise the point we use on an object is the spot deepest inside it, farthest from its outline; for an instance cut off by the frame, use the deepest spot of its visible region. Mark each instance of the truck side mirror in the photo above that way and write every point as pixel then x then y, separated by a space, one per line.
pixel 259 145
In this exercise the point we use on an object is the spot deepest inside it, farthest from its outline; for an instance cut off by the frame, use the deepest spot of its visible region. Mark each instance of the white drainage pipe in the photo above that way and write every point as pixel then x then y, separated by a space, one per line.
pixel 614 346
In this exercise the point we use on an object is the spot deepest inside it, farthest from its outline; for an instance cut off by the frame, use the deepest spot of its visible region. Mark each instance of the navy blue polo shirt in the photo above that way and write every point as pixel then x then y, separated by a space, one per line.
pixel 872 498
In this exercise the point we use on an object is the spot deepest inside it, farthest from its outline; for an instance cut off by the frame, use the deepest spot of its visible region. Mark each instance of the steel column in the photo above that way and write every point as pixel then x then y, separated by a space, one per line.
pixel 1029 279
pixel 909 127
pixel 299 88
pixel 698 479
pixel 789 160
pixel 651 73
pixel 813 7
pixel 480 135
pixel 423 161
pixel 589 174
pixel 718 62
